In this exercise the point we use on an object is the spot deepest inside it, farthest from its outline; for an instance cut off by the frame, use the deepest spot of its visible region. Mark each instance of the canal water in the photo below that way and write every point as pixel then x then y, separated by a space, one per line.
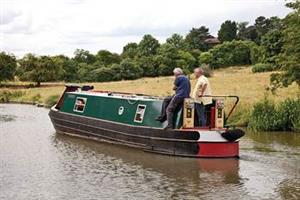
pixel 37 163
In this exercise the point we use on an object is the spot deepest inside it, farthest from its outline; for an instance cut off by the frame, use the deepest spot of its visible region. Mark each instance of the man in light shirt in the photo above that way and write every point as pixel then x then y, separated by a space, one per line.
pixel 202 89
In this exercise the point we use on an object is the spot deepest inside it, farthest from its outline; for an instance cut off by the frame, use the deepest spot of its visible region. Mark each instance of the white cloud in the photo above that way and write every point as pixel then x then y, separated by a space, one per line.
pixel 56 26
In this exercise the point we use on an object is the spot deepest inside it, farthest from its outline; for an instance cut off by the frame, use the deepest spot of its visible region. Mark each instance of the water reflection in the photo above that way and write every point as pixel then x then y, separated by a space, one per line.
pixel 282 138
pixel 172 177
pixel 290 189
pixel 173 167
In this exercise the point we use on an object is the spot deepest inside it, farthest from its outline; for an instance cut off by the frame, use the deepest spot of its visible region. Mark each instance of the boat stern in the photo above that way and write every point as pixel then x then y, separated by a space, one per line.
pixel 219 143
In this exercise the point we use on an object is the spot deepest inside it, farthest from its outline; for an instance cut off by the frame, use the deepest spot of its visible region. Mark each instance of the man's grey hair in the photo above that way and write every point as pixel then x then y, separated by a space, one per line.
pixel 200 70
pixel 178 71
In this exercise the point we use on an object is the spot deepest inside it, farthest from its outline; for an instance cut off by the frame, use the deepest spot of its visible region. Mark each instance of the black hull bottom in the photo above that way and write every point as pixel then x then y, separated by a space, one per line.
pixel 148 139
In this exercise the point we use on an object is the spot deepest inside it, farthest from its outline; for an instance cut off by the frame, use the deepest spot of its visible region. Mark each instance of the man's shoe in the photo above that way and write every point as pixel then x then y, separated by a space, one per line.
pixel 168 128
pixel 160 119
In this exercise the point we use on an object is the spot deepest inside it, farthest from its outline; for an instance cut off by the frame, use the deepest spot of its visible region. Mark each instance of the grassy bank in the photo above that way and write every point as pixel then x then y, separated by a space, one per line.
pixel 250 87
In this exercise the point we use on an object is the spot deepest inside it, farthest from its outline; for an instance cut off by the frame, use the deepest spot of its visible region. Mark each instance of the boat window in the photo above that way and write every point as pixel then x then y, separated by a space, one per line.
pixel 139 114
pixel 80 104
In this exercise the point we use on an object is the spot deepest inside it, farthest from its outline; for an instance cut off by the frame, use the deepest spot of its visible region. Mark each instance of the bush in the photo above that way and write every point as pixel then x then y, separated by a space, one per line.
pixel 296 124
pixel 262 67
pixel 290 110
pixel 205 58
pixel 266 116
pixel 51 101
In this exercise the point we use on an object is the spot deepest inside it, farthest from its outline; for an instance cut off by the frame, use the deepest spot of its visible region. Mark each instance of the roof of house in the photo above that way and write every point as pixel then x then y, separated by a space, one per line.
pixel 212 41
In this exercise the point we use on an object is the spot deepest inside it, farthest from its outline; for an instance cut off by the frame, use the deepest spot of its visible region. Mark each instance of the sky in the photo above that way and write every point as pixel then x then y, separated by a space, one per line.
pixel 60 26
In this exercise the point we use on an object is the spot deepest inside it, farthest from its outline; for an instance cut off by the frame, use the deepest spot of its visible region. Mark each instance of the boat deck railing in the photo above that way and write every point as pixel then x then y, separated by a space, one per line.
pixel 212 107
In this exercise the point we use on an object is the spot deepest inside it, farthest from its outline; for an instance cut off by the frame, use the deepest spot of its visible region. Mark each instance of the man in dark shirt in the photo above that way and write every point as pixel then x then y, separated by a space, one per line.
pixel 182 89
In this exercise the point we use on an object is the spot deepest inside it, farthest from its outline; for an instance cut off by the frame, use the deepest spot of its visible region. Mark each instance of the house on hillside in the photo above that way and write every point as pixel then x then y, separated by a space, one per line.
pixel 212 41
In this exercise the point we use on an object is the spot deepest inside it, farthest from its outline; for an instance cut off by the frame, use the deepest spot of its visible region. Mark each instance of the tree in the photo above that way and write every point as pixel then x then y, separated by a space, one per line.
pixel 69 68
pixel 195 39
pixel 176 40
pixel 275 23
pixel 271 44
pixel 130 50
pixel 105 74
pixel 83 56
pixel 246 32
pixel 107 58
pixel 149 65
pixel 242 30
pixel 167 57
pixel 289 59
pixel 228 31
pixel 86 72
pixel 148 46
pixel 231 53
pixel 8 65
pixel 129 70
pixel 39 69
pixel 262 26
pixel 186 61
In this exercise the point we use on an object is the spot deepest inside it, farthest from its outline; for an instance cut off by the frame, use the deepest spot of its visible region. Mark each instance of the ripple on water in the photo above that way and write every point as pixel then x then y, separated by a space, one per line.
pixel 7 118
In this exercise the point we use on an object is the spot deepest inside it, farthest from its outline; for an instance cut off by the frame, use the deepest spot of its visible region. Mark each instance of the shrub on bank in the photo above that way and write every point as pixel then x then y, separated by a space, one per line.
pixel 262 67
pixel 36 98
pixel 266 116
pixel 7 96
pixel 240 116
pixel 291 110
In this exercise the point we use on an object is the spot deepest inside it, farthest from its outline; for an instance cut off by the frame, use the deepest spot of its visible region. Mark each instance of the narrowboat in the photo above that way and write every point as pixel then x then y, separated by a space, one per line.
pixel 130 119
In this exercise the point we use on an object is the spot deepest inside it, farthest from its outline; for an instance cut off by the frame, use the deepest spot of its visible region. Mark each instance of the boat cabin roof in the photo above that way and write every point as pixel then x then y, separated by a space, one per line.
pixel 118 95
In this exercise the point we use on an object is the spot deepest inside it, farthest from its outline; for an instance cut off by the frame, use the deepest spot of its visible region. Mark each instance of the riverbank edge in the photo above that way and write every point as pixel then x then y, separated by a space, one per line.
pixel 27 103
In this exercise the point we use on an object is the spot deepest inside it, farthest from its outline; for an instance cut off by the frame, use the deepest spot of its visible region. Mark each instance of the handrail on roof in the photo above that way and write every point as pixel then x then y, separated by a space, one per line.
pixel 227 96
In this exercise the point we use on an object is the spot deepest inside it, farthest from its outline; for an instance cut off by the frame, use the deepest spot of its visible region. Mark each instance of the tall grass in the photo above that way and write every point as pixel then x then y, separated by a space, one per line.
pixel 267 116
pixel 51 101
pixel 8 95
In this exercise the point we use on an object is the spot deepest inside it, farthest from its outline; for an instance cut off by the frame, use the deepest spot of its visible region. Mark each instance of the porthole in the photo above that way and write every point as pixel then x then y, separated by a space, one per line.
pixel 121 110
